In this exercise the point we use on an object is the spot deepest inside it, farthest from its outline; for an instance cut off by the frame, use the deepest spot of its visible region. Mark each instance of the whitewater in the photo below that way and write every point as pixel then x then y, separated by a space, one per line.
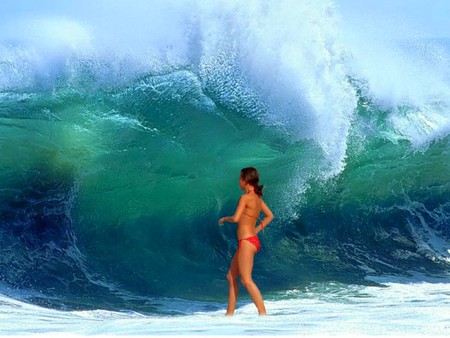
pixel 123 129
pixel 328 310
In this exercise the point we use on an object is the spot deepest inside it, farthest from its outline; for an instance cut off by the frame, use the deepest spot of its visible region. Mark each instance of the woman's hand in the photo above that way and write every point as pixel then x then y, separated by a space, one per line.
pixel 221 221
pixel 261 226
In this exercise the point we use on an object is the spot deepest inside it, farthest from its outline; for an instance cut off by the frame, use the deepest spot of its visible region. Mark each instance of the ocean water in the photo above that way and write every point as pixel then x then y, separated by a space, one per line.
pixel 328 309
pixel 122 133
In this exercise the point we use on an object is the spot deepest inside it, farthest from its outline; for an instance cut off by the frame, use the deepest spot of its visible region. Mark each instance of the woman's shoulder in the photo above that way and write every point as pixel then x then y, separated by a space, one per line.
pixel 245 196
pixel 248 197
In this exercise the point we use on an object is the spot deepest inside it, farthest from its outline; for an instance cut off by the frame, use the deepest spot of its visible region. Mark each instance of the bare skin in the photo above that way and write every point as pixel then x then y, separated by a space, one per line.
pixel 242 263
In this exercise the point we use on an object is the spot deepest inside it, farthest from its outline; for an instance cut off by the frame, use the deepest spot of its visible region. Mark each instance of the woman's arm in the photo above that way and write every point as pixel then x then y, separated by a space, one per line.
pixel 237 214
pixel 267 219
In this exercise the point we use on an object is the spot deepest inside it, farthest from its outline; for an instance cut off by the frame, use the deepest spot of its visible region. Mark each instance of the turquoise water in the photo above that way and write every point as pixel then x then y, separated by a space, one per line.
pixel 119 155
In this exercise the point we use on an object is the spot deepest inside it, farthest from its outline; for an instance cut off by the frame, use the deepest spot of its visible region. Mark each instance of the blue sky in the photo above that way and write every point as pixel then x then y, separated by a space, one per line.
pixel 427 17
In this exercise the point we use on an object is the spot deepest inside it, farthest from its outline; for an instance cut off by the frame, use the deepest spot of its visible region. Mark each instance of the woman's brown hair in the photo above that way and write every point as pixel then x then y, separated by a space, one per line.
pixel 251 176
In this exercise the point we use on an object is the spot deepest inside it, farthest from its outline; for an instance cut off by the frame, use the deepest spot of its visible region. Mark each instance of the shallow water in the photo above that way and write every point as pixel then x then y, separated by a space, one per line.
pixel 399 309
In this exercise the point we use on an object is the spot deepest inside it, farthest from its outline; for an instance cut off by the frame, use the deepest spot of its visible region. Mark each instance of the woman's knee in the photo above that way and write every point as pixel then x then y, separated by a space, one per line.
pixel 231 278
pixel 246 281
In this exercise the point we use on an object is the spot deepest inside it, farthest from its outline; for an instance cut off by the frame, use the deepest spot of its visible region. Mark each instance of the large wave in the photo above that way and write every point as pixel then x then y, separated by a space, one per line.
pixel 120 151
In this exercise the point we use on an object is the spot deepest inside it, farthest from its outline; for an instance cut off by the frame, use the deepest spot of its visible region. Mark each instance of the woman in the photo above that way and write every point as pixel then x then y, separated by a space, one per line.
pixel 246 215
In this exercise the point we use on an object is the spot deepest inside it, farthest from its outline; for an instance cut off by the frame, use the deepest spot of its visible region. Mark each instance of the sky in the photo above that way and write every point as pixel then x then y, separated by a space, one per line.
pixel 427 17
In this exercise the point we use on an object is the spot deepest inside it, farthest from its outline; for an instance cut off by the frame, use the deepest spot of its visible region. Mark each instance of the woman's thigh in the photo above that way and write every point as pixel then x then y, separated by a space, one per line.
pixel 245 259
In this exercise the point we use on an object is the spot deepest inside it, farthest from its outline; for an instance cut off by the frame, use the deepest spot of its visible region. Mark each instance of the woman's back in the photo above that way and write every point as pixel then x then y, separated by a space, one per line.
pixel 247 221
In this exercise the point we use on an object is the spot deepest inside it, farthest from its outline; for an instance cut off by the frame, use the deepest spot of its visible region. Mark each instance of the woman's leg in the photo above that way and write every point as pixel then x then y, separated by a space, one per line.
pixel 246 256
pixel 232 276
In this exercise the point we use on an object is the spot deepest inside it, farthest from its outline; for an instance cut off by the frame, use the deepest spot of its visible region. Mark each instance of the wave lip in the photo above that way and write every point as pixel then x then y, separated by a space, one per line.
pixel 297 83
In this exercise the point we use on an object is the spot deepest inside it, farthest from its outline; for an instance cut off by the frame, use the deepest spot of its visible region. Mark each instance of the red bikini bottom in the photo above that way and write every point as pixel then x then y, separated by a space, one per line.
pixel 253 239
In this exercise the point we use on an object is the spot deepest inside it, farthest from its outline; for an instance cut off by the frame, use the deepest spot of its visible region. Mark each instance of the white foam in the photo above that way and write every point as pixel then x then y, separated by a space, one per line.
pixel 399 309
pixel 422 125
pixel 290 55
pixel 406 73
